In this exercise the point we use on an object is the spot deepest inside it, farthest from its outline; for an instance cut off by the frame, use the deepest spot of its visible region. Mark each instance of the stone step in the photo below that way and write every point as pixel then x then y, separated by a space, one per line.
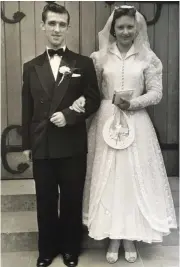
pixel 19 233
pixel 19 195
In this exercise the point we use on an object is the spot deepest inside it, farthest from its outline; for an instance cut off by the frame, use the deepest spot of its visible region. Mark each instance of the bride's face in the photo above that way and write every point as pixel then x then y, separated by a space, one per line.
pixel 125 30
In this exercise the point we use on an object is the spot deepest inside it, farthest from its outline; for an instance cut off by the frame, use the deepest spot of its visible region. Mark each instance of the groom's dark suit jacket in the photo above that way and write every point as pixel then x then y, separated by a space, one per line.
pixel 42 96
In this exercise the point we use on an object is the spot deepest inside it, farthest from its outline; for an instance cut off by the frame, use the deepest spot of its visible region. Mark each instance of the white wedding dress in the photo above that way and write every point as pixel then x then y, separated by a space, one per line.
pixel 127 194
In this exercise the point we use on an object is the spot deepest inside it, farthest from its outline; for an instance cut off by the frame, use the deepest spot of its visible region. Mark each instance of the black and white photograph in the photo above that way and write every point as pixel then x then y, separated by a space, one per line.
pixel 90 133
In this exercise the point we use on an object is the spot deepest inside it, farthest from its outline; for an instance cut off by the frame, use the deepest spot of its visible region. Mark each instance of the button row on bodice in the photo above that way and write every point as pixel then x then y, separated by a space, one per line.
pixel 122 84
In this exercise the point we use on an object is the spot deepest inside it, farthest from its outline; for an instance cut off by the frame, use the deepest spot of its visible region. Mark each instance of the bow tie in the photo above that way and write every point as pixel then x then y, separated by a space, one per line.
pixel 60 52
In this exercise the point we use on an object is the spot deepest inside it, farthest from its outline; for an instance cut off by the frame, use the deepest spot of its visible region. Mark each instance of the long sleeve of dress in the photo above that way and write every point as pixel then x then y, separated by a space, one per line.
pixel 153 85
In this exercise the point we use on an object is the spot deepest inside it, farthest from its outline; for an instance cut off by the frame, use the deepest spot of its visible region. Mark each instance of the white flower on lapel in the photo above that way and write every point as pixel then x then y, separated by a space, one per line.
pixel 64 70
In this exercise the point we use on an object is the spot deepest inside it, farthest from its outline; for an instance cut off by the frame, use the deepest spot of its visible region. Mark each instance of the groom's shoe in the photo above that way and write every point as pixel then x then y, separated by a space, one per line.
pixel 42 262
pixel 70 260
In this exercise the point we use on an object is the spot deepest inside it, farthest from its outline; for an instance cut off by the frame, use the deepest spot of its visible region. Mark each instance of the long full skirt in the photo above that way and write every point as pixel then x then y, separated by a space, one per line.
pixel 127 193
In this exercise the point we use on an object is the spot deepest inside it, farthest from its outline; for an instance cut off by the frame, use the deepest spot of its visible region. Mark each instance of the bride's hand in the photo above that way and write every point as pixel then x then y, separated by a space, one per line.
pixel 79 104
pixel 124 104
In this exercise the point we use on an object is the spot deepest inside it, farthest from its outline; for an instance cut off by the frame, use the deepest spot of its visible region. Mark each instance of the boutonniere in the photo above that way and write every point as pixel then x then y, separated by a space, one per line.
pixel 66 71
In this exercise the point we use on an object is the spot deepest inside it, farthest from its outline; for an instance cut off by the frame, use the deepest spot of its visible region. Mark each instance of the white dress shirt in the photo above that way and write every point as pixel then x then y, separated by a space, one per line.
pixel 55 62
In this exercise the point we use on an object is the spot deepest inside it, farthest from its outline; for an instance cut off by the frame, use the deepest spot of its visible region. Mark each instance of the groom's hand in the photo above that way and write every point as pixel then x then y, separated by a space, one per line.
pixel 58 119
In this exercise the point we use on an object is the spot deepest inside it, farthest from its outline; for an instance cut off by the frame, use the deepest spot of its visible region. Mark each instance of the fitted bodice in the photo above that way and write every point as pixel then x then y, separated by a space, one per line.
pixel 122 74
pixel 131 72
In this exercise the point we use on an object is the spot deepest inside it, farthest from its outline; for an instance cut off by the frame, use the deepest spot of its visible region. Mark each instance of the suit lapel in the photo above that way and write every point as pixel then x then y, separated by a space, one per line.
pixel 60 89
pixel 45 74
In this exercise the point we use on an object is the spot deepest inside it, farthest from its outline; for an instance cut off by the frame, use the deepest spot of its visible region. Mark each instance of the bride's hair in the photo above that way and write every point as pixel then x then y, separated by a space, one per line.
pixel 107 37
pixel 119 12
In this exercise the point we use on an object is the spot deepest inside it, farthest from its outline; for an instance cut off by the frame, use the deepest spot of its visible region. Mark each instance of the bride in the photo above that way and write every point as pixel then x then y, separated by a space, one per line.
pixel 127 195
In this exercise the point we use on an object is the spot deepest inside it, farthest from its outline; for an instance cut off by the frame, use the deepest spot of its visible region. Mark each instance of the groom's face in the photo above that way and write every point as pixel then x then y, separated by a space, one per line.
pixel 55 28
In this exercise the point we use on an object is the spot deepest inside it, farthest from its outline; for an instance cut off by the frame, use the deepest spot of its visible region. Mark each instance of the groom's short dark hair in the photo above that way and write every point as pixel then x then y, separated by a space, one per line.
pixel 53 7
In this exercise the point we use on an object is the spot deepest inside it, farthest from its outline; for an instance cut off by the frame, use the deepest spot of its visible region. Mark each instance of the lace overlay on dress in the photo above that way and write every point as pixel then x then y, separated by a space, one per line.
pixel 127 193
pixel 153 85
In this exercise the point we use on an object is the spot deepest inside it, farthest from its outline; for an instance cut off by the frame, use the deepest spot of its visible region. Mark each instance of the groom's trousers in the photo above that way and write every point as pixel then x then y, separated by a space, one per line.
pixel 59 232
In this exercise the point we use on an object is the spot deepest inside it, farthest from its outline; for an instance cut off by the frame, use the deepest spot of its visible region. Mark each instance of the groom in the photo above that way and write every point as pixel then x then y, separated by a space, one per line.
pixel 55 136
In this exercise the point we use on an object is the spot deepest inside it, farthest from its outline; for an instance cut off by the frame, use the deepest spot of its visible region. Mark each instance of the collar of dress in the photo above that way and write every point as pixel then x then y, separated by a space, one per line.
pixel 114 50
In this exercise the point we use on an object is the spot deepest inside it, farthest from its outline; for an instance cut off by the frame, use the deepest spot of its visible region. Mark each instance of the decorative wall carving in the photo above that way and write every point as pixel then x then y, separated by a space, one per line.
pixel 17 17
pixel 5 149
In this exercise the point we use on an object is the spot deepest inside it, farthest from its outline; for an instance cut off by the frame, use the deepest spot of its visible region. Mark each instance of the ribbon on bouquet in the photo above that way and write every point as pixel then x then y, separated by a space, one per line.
pixel 119 127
